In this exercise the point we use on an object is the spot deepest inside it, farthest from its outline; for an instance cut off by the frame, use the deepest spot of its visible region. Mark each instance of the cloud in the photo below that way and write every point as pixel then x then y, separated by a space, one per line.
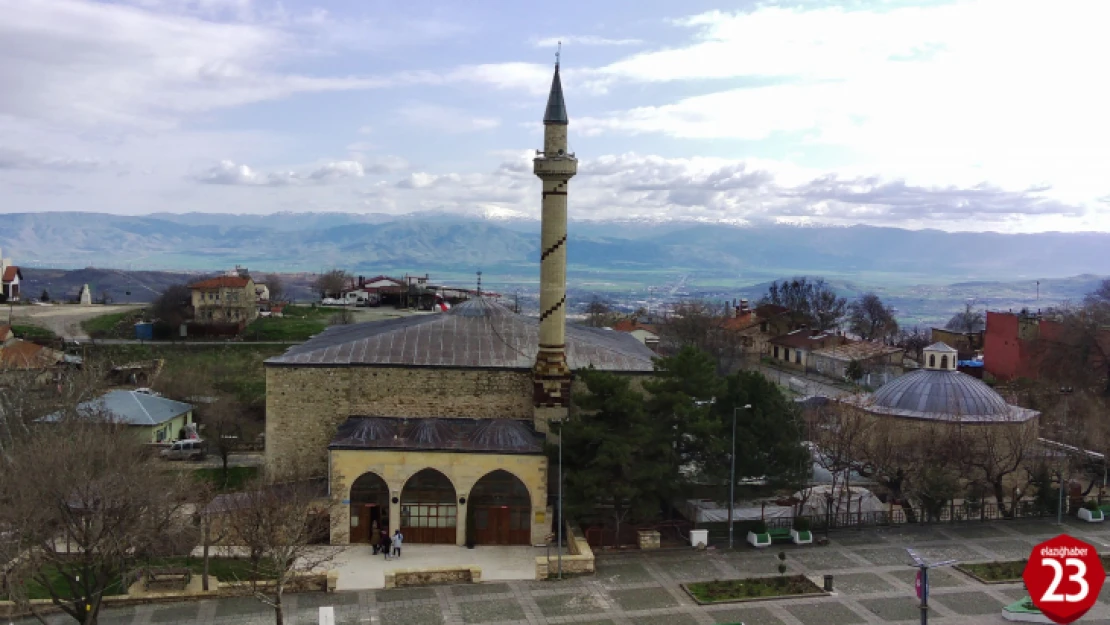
pixel 445 119
pixel 231 173
pixel 16 159
pixel 583 40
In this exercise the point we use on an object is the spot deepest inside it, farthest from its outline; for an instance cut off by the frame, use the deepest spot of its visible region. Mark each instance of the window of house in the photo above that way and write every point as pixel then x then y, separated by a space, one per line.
pixel 776 351
pixel 797 356
pixel 786 354
pixel 932 360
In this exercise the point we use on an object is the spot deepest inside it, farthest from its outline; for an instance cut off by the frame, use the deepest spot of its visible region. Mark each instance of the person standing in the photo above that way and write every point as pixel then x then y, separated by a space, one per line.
pixel 385 543
pixel 398 538
pixel 375 537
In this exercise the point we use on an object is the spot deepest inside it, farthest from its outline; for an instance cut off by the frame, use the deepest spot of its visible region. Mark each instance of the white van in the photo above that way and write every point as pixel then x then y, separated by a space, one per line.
pixel 189 449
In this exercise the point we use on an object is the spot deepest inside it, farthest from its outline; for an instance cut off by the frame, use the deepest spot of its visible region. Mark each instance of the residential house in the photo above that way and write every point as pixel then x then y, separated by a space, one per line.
pixel 154 419
pixel 225 299
pixel 796 348
pixel 261 292
pixel 1009 344
pixel 758 326
pixel 968 344
pixel 880 363
pixel 10 279
pixel 17 355
pixel 645 333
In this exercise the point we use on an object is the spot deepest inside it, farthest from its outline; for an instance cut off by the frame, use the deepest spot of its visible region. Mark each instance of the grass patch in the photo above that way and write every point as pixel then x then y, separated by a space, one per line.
pixel 236 477
pixel 1009 571
pixel 60 586
pixel 297 323
pixel 719 591
pixel 118 325
pixel 224 569
pixel 32 333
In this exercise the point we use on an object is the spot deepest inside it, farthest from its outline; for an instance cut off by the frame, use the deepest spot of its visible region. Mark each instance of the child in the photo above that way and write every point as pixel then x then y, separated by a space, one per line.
pixel 398 538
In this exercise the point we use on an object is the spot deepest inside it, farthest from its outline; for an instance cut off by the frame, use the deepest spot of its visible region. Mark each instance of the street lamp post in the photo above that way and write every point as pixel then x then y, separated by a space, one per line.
pixel 732 474
pixel 922 583
pixel 560 514
pixel 1064 390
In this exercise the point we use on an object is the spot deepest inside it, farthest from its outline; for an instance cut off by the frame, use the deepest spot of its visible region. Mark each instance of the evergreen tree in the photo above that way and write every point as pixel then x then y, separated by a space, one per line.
pixel 614 453
pixel 683 391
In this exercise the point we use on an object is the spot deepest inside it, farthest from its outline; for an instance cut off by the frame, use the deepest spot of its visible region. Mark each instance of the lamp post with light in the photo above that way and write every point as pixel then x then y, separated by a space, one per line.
pixel 732 474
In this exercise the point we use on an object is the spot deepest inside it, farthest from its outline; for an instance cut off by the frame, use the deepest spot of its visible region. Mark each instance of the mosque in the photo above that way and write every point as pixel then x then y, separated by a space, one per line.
pixel 437 424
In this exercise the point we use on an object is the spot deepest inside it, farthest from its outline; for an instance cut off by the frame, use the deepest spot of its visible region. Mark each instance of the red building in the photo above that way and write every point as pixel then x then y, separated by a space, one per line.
pixel 1010 343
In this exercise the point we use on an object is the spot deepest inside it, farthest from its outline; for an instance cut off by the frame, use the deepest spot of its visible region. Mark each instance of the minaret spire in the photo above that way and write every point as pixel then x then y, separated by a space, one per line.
pixel 555 166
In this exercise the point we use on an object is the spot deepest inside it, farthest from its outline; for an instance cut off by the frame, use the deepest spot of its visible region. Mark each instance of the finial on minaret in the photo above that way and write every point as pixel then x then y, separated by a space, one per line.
pixel 556 112
pixel 558 50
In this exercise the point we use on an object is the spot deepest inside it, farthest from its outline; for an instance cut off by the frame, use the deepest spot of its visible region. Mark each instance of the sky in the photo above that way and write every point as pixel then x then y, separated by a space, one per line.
pixel 964 116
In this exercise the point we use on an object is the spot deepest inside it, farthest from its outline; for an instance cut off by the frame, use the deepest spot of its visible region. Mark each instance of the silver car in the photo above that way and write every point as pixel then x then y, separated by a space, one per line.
pixel 189 449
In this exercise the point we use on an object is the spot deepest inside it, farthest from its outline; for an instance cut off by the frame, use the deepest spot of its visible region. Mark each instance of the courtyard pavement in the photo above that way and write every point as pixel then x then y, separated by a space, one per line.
pixel 873 581
pixel 360 569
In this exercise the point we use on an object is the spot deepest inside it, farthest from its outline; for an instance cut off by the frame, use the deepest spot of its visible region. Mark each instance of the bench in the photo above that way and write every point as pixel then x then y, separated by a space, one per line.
pixel 780 534
pixel 166 578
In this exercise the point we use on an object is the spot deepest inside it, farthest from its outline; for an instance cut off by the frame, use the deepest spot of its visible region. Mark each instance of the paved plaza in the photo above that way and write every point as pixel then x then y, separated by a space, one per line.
pixel 873 581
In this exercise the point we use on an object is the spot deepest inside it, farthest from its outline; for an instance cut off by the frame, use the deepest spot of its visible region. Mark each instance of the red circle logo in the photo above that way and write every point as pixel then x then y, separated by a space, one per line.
pixel 1064 576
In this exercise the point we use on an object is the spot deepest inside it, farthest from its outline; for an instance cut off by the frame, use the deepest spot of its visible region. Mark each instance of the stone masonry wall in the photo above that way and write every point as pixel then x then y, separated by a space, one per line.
pixel 305 405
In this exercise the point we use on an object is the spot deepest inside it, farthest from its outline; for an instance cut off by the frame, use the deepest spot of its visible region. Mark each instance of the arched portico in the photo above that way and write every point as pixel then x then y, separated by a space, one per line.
pixel 429 510
pixel 369 506
pixel 500 510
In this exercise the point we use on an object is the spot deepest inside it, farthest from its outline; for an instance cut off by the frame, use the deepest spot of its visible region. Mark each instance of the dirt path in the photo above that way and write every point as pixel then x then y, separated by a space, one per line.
pixel 64 319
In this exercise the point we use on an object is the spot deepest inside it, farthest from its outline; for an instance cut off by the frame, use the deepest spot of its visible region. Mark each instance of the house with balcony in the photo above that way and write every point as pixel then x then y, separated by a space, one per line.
pixel 225 300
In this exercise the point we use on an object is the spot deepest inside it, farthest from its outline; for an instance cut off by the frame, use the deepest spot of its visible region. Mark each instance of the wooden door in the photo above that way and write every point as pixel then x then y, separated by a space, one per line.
pixel 499 525
pixel 360 524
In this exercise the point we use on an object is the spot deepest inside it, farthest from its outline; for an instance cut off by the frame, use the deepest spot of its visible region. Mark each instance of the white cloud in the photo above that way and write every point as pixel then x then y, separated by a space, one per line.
pixel 583 40
pixel 18 159
pixel 231 173
pixel 445 119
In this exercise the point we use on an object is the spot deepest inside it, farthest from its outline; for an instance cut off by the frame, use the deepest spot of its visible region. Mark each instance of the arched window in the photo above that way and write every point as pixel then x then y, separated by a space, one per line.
pixel 932 360
pixel 429 511
pixel 944 362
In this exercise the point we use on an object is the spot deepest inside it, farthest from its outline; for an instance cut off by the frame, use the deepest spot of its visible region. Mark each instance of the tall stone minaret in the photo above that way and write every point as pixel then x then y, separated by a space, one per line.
pixel 555 166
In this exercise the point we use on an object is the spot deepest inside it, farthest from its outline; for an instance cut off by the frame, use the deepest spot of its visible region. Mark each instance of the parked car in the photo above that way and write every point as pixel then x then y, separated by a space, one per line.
pixel 189 449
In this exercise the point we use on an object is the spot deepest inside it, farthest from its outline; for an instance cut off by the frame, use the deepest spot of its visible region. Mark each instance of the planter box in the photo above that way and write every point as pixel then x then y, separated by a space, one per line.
pixel 759 540
pixel 1091 516
pixel 699 538
pixel 649 539
pixel 1017 612
pixel 803 537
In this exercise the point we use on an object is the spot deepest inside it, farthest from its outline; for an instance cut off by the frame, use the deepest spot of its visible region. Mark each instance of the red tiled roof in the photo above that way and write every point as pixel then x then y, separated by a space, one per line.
pixel 27 355
pixel 11 272
pixel 222 282
pixel 4 330
pixel 629 325
pixel 805 339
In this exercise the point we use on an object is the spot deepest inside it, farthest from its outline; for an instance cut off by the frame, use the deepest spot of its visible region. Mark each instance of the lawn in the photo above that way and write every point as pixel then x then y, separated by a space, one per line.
pixel 720 591
pixel 236 477
pixel 119 325
pixel 224 569
pixel 32 333
pixel 297 323
pixel 1009 571
pixel 36 590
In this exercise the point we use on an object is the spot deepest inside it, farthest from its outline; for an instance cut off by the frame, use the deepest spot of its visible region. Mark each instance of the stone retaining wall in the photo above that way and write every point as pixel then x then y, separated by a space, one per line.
pixel 399 578
pixel 579 559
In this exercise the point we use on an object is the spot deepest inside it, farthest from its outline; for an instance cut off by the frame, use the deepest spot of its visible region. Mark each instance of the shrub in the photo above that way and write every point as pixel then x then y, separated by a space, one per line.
pixel 1091 505
pixel 801 524
pixel 759 527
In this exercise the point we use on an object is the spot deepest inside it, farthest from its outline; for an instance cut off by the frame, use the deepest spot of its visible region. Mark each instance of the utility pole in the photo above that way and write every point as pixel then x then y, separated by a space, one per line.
pixel 560 515
pixel 732 474
pixel 922 583
pixel 1065 391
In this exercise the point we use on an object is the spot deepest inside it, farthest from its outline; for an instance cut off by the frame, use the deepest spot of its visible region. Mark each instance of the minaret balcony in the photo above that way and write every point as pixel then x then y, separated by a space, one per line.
pixel 555 166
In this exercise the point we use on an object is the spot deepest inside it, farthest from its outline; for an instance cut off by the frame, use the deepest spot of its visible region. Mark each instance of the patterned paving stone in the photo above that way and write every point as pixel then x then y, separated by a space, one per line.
pixel 491 611
pixel 411 615
pixel 174 614
pixel 860 583
pixel 854 539
pixel 1015 593
pixel 886 556
pixel 1034 529
pixel 478 590
pixel 754 564
pixel 911 536
pixel 968 603
pixel 893 608
pixel 935 553
pixel 239 607
pixel 568 605
pixel 405 594
pixel 938 578
pixel 666 619
pixel 643 598
pixel 747 616
pixel 823 560
pixel 692 570
pixel 975 531
pixel 824 613
pixel 318 599
pixel 1011 549
pixel 623 573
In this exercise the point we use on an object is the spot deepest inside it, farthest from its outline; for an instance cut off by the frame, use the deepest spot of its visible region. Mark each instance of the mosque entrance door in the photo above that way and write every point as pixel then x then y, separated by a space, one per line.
pixel 502 510
pixel 369 506
pixel 429 512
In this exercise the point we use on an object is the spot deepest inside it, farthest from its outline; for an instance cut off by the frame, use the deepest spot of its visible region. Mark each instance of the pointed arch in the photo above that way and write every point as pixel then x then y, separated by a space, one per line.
pixel 369 499
pixel 932 360
pixel 944 361
pixel 429 510
pixel 500 510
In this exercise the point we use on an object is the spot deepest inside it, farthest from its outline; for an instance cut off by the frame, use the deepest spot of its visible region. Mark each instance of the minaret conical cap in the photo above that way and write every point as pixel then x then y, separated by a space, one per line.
pixel 556 108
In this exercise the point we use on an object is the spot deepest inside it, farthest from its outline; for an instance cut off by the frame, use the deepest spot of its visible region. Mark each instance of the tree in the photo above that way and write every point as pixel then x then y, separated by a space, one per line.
pixel 1076 349
pixel 914 340
pixel 45 297
pixel 704 326
pixel 812 302
pixel 854 371
pixel 997 452
pixel 278 524
pixel 968 321
pixel 599 313
pixel 225 427
pixel 869 318
pixel 81 526
pixel 683 391
pixel 612 449
pixel 174 305
pixel 276 287
pixel 331 283
pixel 342 317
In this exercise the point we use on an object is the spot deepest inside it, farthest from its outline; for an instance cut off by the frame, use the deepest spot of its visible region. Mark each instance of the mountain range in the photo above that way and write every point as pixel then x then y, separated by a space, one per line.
pixel 619 252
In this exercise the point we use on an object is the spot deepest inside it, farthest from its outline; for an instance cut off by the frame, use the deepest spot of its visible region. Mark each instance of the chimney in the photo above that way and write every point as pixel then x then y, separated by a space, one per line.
pixel 555 166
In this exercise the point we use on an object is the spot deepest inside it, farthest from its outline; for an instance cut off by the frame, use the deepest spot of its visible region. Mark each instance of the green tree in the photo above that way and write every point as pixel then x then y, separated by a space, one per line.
pixel 612 451
pixel 854 371
pixel 682 394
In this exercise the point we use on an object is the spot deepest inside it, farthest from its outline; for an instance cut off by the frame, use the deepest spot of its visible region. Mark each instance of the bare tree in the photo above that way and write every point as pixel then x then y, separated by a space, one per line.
pixel 276 286
pixel 969 320
pixel 810 301
pixel 225 427
pixel 101 507
pixel 331 283
pixel 278 522
pixel 914 340
pixel 871 319
pixel 599 313
pixel 995 453
pixel 839 435
pixel 1076 350
pixel 705 326
pixel 174 305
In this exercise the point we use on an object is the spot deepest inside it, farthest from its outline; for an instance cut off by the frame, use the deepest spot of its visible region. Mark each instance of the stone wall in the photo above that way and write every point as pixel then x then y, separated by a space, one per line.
pixel 400 578
pixel 579 559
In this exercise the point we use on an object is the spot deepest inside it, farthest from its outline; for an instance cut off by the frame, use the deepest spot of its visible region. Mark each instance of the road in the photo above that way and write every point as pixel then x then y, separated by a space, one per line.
pixel 64 319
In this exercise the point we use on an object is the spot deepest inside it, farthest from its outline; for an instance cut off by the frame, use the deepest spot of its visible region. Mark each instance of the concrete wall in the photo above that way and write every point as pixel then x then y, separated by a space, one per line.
pixel 463 469
pixel 149 433
pixel 305 405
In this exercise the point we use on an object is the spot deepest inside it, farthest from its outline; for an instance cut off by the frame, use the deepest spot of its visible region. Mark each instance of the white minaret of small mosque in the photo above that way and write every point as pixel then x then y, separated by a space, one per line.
pixel 555 166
